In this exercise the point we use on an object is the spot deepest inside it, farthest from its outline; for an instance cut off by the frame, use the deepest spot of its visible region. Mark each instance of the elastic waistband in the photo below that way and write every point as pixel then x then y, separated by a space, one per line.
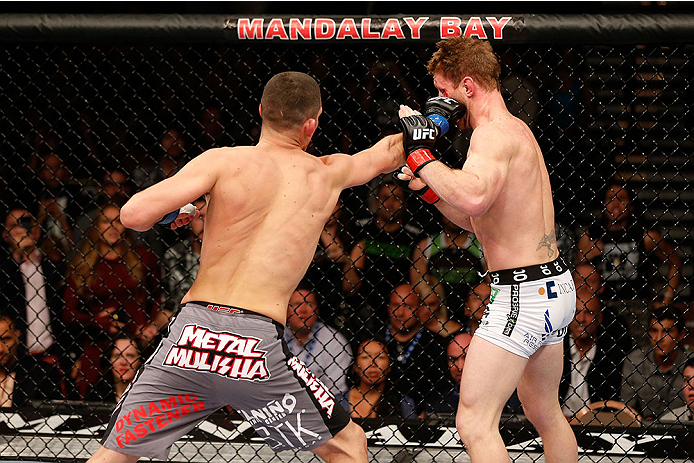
pixel 228 310
pixel 530 273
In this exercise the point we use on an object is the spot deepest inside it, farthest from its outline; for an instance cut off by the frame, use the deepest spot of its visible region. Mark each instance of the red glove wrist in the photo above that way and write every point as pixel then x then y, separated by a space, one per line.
pixel 417 159
pixel 428 195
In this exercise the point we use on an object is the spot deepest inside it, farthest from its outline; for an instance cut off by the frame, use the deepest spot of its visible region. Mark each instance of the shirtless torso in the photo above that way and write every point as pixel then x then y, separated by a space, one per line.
pixel 267 206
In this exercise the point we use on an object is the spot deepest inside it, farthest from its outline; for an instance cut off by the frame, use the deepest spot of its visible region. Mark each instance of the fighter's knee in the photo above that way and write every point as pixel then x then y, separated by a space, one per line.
pixel 467 422
pixel 348 444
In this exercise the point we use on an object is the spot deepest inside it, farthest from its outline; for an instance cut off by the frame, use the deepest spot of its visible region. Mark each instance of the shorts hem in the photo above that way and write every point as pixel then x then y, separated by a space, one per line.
pixel 506 344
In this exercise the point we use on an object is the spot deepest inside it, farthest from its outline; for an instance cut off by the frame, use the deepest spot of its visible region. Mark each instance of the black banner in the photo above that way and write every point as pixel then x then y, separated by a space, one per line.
pixel 531 28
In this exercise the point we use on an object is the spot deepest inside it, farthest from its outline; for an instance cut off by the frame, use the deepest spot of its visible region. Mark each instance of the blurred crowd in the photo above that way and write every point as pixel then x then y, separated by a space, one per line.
pixel 388 305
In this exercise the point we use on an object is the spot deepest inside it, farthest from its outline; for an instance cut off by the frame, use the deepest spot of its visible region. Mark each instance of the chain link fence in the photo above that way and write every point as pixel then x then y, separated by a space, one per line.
pixel 84 301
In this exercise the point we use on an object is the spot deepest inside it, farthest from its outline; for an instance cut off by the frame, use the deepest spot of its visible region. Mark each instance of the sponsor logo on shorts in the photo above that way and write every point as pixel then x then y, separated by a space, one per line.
pixel 225 354
pixel 493 294
pixel 325 399
pixel 531 341
pixel 154 416
pixel 551 294
pixel 277 416
pixel 515 308
pixel 222 309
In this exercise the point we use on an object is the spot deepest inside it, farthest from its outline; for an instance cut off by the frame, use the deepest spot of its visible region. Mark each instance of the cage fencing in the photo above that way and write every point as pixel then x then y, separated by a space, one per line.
pixel 95 108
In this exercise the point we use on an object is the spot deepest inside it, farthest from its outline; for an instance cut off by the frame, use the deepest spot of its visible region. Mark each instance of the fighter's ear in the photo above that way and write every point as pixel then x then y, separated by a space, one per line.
pixel 310 126
pixel 468 85
pixel 260 110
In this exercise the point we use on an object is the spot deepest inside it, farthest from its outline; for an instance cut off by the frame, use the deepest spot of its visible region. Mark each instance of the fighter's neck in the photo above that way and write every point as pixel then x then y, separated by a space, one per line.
pixel 283 140
pixel 487 107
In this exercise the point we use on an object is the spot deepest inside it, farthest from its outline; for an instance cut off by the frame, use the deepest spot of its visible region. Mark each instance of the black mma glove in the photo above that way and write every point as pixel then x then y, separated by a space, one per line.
pixel 419 136
pixel 442 111
pixel 426 193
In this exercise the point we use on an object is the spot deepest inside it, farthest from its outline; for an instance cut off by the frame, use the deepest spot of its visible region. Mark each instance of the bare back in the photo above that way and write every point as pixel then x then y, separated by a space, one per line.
pixel 264 218
pixel 518 228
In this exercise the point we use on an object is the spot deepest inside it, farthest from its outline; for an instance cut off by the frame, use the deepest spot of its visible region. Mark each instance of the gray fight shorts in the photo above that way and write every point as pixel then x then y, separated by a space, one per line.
pixel 217 355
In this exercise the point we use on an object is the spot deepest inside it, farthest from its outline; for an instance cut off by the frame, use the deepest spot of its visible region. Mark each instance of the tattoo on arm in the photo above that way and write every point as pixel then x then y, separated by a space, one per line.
pixel 546 242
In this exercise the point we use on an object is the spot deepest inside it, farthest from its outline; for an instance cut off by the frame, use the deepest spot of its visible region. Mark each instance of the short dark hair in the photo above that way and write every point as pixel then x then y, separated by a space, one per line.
pixel 289 99
pixel 667 313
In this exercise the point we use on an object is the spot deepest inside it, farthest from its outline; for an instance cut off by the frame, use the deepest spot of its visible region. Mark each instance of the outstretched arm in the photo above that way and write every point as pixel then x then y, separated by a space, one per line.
pixel 385 156
pixel 195 179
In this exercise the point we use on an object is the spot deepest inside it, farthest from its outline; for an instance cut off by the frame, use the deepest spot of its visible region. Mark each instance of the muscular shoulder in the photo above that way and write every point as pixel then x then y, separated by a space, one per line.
pixel 495 137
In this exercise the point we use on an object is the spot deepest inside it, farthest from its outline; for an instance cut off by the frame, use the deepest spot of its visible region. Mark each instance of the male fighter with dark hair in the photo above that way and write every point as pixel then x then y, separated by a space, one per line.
pixel 226 344
pixel 503 195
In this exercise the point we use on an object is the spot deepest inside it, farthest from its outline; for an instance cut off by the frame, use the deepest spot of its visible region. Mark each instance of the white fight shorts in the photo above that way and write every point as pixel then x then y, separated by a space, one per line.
pixel 529 307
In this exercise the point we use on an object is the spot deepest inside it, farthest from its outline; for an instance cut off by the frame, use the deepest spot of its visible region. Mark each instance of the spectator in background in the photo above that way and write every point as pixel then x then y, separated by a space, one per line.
pixel 456 352
pixel 23 377
pixel 382 257
pixel 321 348
pixel 112 287
pixel 31 285
pixel 121 361
pixel 450 263
pixel 619 246
pixel 448 401
pixel 115 188
pixel 373 395
pixel 624 251
pixel 53 203
pixel 685 413
pixel 171 158
pixel 180 266
pixel 419 364
pixel 329 262
pixel 594 351
pixel 476 305
pixel 652 379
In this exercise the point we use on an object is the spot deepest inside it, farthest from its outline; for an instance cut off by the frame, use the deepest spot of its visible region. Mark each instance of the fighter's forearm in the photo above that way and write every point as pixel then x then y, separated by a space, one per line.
pixel 462 191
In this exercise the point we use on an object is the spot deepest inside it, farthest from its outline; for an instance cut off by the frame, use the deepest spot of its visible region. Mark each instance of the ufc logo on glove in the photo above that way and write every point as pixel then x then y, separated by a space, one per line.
pixel 423 134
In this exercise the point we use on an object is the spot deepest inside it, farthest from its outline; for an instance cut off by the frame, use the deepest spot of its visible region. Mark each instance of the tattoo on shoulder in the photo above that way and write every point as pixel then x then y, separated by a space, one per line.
pixel 548 241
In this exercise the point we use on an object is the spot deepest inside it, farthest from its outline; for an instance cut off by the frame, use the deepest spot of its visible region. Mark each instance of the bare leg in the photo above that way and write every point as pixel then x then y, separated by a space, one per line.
pixel 348 445
pixel 489 378
pixel 538 390
pixel 104 455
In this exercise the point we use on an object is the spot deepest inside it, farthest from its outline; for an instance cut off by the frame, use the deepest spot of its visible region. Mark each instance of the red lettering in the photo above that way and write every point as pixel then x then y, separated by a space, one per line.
pixel 174 414
pixel 150 424
pixel 348 28
pixel 276 29
pixel 366 29
pixel 168 404
pixel 129 437
pixel 392 29
pixel 186 410
pixel 119 425
pixel 161 421
pixel 498 26
pixel 297 29
pixel 198 406
pixel 139 413
pixel 325 28
pixel 140 430
pixel 153 409
pixel 450 27
pixel 415 26
pixel 119 440
pixel 191 398
pixel 248 29
pixel 475 27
